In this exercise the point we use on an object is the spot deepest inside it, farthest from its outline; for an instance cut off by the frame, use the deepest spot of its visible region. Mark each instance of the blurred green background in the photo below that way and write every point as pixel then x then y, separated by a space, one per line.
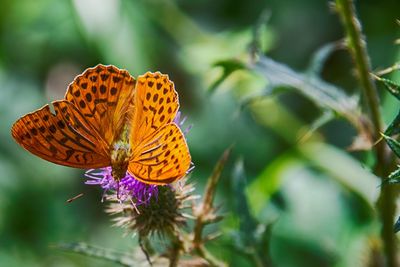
pixel 310 202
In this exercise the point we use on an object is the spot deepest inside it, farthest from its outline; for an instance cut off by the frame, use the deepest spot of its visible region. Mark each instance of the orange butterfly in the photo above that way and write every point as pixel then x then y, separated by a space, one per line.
pixel 110 119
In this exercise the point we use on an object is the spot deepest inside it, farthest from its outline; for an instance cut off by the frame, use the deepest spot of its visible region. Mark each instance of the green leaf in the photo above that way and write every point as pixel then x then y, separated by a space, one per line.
pixel 268 182
pixel 320 56
pixel 394 127
pixel 252 237
pixel 393 178
pixel 397 226
pixel 247 223
pixel 228 66
pixel 344 169
pixel 325 117
pixel 321 93
pixel 256 45
pixel 391 86
pixel 124 259
pixel 393 144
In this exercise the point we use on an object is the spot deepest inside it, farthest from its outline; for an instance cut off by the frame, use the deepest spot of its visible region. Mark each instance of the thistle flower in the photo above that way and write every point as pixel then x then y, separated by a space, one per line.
pixel 162 215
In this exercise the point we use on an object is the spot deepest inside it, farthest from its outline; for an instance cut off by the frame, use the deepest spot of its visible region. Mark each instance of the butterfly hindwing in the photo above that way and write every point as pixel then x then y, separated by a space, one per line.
pixel 162 158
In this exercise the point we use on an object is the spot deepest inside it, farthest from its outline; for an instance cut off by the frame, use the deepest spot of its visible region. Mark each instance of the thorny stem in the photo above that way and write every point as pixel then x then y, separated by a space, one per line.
pixel 205 212
pixel 386 203
pixel 143 243
pixel 205 208
pixel 176 249
pixel 205 254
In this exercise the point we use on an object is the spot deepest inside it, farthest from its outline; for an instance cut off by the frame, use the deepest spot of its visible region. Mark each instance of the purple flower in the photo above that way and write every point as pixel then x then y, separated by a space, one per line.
pixel 128 188
pixel 180 121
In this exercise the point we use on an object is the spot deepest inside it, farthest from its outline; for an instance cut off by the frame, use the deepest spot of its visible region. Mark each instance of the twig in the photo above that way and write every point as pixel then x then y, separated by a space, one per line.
pixel 386 204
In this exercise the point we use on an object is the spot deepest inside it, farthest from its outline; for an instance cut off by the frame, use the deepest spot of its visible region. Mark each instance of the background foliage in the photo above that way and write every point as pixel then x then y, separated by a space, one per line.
pixel 291 196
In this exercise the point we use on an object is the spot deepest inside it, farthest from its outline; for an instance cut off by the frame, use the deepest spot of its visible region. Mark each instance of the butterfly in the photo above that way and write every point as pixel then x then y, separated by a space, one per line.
pixel 108 118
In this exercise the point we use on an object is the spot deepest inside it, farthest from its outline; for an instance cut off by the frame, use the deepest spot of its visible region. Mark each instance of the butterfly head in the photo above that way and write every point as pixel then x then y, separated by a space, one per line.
pixel 120 156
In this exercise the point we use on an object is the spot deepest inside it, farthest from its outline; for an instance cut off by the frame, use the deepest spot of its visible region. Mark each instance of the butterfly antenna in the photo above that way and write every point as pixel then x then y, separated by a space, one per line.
pixel 134 205
pixel 74 198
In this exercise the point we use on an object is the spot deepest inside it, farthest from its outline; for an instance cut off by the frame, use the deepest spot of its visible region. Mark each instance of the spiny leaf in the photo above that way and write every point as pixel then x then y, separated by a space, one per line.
pixel 393 144
pixel 82 248
pixel 252 238
pixel 321 93
pixel 396 227
pixel 394 178
pixel 394 127
pixel 391 86
pixel 247 223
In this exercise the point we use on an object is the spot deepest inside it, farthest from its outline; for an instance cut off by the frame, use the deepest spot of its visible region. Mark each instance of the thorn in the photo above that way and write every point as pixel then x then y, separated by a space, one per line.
pixel 212 236
pixel 145 252
pixel 379 139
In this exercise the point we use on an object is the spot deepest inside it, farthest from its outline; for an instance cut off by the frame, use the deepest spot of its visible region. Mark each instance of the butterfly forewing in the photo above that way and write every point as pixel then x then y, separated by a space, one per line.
pixel 61 138
pixel 103 95
pixel 163 158
pixel 156 104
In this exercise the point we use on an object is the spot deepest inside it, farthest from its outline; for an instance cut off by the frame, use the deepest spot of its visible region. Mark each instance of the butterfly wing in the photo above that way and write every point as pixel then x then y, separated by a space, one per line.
pixel 160 153
pixel 163 158
pixel 61 138
pixel 103 95
pixel 84 125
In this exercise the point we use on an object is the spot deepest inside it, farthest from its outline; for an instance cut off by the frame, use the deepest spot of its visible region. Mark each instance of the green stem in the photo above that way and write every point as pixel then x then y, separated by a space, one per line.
pixel 357 47
pixel 205 254
pixel 384 164
pixel 176 249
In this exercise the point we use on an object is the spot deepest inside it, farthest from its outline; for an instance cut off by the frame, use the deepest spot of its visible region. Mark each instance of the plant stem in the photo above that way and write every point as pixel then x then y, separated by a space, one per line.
pixel 205 254
pixel 384 163
pixel 176 248
pixel 358 50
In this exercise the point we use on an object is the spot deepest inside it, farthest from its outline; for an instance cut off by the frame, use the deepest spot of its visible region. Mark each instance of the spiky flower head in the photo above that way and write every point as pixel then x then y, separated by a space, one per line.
pixel 162 215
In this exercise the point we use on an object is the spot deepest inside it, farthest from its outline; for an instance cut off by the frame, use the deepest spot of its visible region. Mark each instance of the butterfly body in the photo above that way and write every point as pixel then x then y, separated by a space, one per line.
pixel 108 118
pixel 120 155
